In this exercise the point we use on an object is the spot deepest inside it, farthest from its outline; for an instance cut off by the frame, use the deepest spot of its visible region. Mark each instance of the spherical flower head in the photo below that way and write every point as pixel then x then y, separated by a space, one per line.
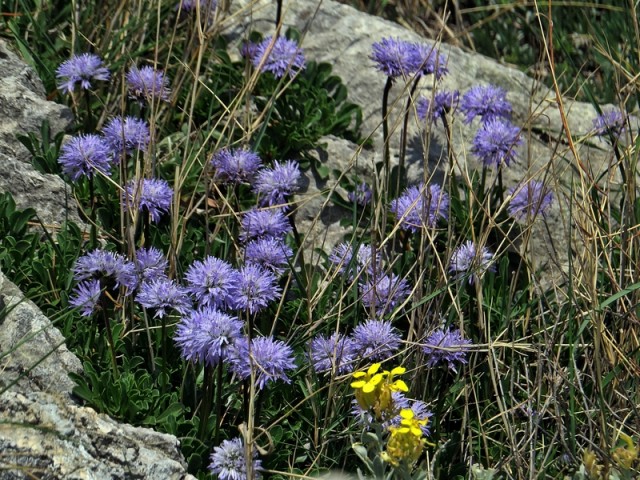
pixel 211 282
pixel 274 185
pixel 147 84
pixel 529 200
pixel 375 340
pixel 612 122
pixel 206 335
pixel 248 50
pixel 361 195
pixel 446 346
pixel 397 58
pixel 228 461
pixel 81 70
pixel 262 223
pixel 331 354
pixel 150 264
pixel 269 358
pixel 104 265
pixel 420 207
pixel 430 62
pixel 363 263
pixel 495 143
pixel 280 57
pixel 192 5
pixel 269 253
pixel 235 165
pixel 86 296
pixel 84 155
pixel 254 289
pixel 384 293
pixel 487 102
pixel 163 295
pixel 151 194
pixel 443 102
pixel 126 136
pixel 466 260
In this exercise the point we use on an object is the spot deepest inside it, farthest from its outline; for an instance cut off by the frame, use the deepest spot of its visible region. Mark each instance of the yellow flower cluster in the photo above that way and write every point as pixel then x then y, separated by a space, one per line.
pixel 374 389
pixel 406 442
pixel 626 455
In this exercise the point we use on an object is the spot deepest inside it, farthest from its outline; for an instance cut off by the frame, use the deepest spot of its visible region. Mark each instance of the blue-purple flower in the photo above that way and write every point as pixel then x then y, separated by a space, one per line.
pixel 430 62
pixel 446 346
pixel 361 195
pixel 235 165
pixel 443 102
pixel 495 143
pixel 147 84
pixel 126 135
pixel 375 340
pixel 150 264
pixel 102 264
pixel 261 223
pixel 279 57
pixel 397 58
pixel 612 122
pixel 211 282
pixel 487 102
pixel 81 70
pixel 329 354
pixel 86 296
pixel 205 335
pixel 192 5
pixel 384 293
pixel 529 200
pixel 270 253
pixel 163 295
pixel 274 185
pixel 254 288
pixel 84 155
pixel 420 207
pixel 342 257
pixel 270 360
pixel 151 194
pixel 228 461
pixel 467 260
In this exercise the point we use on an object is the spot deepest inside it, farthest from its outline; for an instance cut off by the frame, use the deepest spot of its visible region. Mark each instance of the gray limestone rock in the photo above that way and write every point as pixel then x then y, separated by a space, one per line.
pixel 23 107
pixel 343 37
pixel 43 432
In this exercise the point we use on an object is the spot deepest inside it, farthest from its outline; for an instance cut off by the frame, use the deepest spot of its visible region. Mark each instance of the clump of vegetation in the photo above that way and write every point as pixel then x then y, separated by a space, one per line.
pixel 423 346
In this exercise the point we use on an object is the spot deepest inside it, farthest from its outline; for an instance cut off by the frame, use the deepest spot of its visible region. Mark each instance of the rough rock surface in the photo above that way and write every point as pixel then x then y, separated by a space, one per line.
pixel 43 432
pixel 343 37
pixel 23 107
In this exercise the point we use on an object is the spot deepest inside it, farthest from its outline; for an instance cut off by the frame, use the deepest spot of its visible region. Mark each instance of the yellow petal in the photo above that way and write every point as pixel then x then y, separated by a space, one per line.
pixel 416 431
pixel 377 378
pixel 398 371
pixel 373 368
pixel 359 374
pixel 406 413
pixel 358 384
pixel 368 387
pixel 399 386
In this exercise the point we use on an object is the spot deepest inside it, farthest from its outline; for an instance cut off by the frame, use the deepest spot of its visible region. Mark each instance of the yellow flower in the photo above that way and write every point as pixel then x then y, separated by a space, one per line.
pixel 385 399
pixel 367 386
pixel 374 389
pixel 626 455
pixel 406 442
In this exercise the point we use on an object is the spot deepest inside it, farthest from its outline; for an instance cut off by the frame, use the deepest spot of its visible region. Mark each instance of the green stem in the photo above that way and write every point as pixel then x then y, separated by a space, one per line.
pixel 207 401
pixel 112 346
